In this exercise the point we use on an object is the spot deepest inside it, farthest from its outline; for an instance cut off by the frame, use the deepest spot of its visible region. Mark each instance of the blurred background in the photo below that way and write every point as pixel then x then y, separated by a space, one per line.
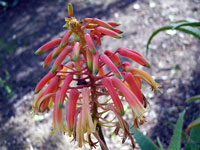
pixel 25 25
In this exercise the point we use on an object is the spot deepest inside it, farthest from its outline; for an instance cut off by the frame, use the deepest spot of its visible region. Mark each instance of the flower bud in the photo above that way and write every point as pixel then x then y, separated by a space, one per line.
pixel 48 46
pixel 70 9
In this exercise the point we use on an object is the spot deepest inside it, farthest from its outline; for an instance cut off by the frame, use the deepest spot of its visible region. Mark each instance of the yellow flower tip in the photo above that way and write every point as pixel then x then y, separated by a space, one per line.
pixel 36 91
pixel 38 52
pixel 54 55
pixel 155 86
pixel 70 9
pixel 62 45
pixel 66 25
pixel 118 36
pixel 44 65
pixel 54 68
pixel 147 65
pixel 67 19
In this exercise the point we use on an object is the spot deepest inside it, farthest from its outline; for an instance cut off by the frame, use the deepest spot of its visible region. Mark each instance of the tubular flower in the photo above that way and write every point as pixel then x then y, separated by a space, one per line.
pixel 48 46
pixel 134 55
pixel 84 80
pixel 65 38
pixel 73 97
pixel 90 43
pixel 134 86
pixel 87 122
pixel 76 51
pixel 113 56
pixel 48 59
pixel 43 81
pixel 131 98
pixel 118 104
pixel 144 75
pixel 67 81
pixel 95 68
pixel 60 58
pixel 58 116
pixel 108 32
pixel 111 66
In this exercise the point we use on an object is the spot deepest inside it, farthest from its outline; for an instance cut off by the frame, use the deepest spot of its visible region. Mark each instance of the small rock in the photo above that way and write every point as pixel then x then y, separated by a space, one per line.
pixel 136 6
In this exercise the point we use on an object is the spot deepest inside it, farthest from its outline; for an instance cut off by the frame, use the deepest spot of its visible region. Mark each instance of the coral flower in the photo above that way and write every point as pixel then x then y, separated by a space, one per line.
pixel 130 97
pixel 87 123
pixel 92 84
pixel 73 97
pixel 58 116
pixel 144 75
pixel 107 82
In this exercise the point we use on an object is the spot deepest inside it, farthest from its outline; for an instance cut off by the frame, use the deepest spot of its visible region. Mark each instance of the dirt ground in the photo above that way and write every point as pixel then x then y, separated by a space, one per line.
pixel 174 59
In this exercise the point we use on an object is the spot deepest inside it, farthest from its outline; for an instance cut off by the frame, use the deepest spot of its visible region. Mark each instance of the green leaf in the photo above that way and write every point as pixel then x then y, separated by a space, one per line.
pixel 144 142
pixel 160 144
pixel 194 98
pixel 175 142
pixel 8 89
pixel 155 33
pixel 194 24
pixel 192 144
pixel 190 30
pixel 195 123
pixel 188 20
pixel 190 26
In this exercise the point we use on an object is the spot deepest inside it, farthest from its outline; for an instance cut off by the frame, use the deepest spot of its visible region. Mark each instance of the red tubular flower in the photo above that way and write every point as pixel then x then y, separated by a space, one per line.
pixel 48 46
pixel 113 23
pixel 89 59
pixel 117 102
pixel 118 31
pixel 101 72
pixel 79 131
pixel 43 103
pixel 58 116
pixel 87 123
pixel 65 38
pixel 67 81
pixel 91 26
pixel 108 32
pixel 43 81
pixel 113 56
pixel 36 100
pixel 83 78
pixel 130 97
pixel 111 66
pixel 57 52
pixel 52 85
pixel 60 58
pixel 73 97
pixel 90 43
pixel 144 75
pixel 137 79
pixel 133 55
pixel 134 86
pixel 99 22
pixel 95 68
pixel 48 59
pixel 76 51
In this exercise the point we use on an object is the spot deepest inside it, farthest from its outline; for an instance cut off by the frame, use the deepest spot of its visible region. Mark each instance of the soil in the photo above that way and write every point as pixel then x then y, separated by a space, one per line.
pixel 174 59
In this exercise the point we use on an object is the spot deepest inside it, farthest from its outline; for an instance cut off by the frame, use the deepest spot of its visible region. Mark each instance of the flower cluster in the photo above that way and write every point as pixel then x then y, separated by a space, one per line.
pixel 88 75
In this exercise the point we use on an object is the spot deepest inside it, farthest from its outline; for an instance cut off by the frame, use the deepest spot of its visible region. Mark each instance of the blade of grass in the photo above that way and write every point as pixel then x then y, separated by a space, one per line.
pixel 175 142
